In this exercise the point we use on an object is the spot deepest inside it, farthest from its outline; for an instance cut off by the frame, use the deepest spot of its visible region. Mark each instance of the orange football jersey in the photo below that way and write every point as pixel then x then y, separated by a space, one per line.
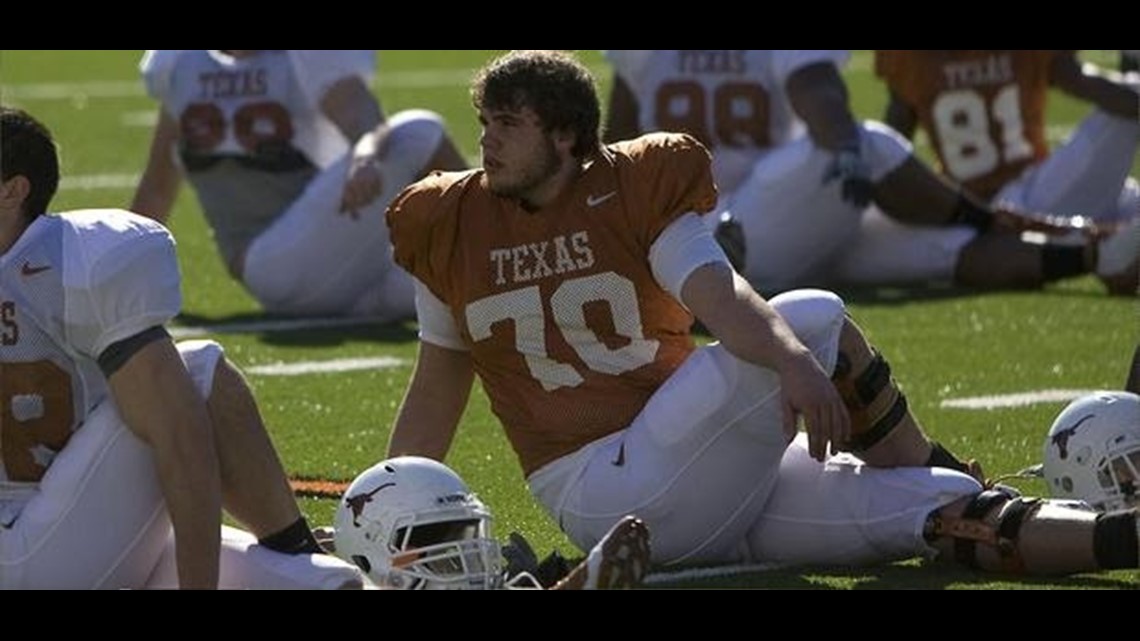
pixel 984 110
pixel 568 330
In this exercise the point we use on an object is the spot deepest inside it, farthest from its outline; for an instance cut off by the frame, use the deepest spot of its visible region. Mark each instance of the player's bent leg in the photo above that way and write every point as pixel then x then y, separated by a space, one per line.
pixel 316 259
pixel 842 511
pixel 1086 175
pixel 245 565
pixel 994 531
pixel 889 252
pixel 713 429
pixel 884 432
pixel 255 489
pixel 619 561
pixel 792 224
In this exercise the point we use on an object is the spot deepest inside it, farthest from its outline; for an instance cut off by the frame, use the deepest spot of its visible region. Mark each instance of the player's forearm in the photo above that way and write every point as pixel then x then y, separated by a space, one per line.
pixel 161 178
pixel 158 402
pixel 156 192
pixel 1099 87
pixel 436 398
pixel 352 107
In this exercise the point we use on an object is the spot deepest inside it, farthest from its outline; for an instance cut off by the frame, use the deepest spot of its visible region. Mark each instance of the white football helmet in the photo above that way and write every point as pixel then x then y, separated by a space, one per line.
pixel 411 523
pixel 1092 452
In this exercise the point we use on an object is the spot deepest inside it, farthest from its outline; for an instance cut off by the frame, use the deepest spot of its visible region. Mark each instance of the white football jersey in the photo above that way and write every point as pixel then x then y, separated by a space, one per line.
pixel 72 285
pixel 273 93
pixel 732 100
pixel 251 131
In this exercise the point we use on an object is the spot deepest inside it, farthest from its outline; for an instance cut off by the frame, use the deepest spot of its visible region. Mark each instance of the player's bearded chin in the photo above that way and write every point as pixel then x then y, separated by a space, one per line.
pixel 545 164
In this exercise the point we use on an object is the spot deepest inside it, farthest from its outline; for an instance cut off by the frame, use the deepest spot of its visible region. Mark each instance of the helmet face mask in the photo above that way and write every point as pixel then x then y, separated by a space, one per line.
pixel 411 523
pixel 1092 452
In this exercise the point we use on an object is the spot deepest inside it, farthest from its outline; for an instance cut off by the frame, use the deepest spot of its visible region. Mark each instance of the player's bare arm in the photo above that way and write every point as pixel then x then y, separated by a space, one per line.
pixel 749 328
pixel 356 112
pixel 900 116
pixel 1094 85
pixel 622 114
pixel 158 186
pixel 433 404
pixel 159 403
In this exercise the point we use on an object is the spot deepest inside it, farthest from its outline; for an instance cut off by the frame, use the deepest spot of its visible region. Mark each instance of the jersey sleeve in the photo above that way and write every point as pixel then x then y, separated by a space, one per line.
pixel 156 67
pixel 422 227
pixel 319 69
pixel 121 278
pixel 673 175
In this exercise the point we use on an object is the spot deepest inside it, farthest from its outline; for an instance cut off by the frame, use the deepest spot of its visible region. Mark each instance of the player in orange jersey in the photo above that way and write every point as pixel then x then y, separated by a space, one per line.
pixel 565 274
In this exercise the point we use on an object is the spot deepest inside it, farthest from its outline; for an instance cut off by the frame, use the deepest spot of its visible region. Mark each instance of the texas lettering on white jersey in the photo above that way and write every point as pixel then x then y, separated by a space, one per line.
pixel 732 100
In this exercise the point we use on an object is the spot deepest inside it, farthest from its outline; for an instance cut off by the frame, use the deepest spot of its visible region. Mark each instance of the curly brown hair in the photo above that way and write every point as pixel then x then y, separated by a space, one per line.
pixel 554 84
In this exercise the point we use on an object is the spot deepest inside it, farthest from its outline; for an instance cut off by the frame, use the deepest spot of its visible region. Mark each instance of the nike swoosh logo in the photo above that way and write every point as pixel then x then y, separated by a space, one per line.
pixel 620 460
pixel 594 201
pixel 28 270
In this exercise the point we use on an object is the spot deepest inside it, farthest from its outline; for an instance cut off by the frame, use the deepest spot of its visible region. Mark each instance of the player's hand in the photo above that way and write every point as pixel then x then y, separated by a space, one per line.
pixel 363 185
pixel 808 393
pixel 854 176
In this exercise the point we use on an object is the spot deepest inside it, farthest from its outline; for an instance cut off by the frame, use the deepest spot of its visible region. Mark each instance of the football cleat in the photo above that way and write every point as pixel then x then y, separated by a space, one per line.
pixel 619 561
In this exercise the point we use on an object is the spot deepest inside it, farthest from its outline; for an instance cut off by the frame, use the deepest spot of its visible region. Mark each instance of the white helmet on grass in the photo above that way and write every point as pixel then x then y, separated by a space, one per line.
pixel 1092 452
pixel 411 523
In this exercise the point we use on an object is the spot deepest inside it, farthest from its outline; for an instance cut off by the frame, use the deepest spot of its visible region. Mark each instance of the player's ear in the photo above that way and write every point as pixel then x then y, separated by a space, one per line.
pixel 14 191
pixel 564 140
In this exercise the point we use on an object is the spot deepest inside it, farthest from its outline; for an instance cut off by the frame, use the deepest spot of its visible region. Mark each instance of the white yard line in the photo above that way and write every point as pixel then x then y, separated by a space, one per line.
pixel 92 182
pixel 1020 399
pixel 334 366
pixel 272 325
pixel 431 79
pixel 672 576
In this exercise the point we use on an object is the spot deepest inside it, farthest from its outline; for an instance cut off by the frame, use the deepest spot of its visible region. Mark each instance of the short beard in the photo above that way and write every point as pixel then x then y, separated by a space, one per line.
pixel 534 175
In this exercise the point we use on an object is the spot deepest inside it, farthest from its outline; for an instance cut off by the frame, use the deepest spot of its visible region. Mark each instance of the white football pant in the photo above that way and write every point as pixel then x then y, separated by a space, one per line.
pixel 315 259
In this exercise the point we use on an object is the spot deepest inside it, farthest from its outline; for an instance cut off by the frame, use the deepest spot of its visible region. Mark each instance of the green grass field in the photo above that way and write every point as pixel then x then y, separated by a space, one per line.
pixel 943 344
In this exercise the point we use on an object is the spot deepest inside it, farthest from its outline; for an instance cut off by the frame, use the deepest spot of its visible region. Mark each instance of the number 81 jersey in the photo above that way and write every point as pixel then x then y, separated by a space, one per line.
pixel 73 285
pixel 732 100
pixel 984 110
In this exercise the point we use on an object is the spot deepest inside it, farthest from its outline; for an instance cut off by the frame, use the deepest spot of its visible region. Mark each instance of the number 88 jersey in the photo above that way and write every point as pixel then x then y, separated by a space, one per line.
pixel 732 100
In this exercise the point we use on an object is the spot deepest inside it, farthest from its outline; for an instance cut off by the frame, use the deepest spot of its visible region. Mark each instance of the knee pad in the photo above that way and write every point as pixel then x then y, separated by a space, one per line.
pixel 201 358
pixel 863 377
pixel 996 531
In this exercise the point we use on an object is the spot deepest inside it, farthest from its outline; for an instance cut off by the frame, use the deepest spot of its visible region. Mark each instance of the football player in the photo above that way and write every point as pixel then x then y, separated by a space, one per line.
pixel 566 274
pixel 293 161
pixel 801 199
pixel 113 436
pixel 984 112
